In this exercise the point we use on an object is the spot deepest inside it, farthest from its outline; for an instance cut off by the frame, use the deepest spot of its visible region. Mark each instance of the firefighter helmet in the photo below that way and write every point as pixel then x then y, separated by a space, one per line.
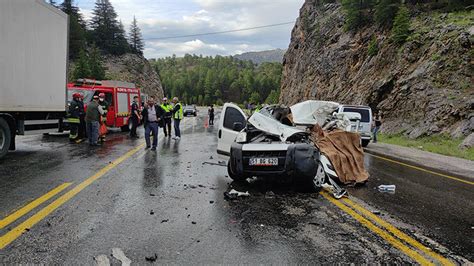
pixel 101 95
pixel 77 95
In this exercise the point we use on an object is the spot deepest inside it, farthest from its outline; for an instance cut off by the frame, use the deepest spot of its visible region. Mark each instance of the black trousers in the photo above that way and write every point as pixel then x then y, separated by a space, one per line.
pixel 167 126
pixel 133 131
pixel 211 119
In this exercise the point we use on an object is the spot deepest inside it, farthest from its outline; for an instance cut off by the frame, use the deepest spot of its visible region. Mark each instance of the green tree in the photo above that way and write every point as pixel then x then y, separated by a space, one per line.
pixel 254 97
pixel 107 31
pixel 358 13
pixel 401 25
pixel 385 12
pixel 373 48
pixel 81 69
pixel 273 97
pixel 135 38
pixel 77 29
pixel 97 71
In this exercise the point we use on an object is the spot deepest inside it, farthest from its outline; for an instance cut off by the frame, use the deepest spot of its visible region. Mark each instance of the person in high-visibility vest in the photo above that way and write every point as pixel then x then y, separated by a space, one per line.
pixel 168 109
pixel 75 111
pixel 177 117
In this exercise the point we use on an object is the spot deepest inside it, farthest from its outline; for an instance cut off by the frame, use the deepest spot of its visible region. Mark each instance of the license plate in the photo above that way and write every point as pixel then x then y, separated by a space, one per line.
pixel 263 161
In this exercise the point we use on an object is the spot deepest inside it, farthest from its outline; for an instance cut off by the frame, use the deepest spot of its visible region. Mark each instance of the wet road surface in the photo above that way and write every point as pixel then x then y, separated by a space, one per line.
pixel 170 204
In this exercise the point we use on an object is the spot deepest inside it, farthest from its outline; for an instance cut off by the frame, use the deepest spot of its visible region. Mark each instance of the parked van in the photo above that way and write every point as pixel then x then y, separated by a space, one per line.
pixel 365 123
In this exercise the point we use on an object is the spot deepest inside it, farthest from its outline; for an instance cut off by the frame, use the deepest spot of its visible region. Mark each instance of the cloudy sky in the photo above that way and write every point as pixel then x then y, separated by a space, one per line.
pixel 165 18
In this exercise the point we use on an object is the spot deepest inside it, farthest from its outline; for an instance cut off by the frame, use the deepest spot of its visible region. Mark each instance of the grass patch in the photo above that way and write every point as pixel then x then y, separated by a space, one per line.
pixel 440 144
pixel 461 18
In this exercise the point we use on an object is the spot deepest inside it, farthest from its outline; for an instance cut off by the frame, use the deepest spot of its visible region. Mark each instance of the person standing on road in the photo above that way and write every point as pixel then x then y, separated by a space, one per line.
pixel 82 125
pixel 377 125
pixel 75 111
pixel 135 117
pixel 105 107
pixel 152 114
pixel 168 113
pixel 93 116
pixel 177 117
pixel 210 112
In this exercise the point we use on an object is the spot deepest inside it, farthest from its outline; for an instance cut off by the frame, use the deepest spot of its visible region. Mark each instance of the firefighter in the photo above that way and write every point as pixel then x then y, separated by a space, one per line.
pixel 75 111
pixel 168 109
pixel 82 125
pixel 177 117
pixel 105 107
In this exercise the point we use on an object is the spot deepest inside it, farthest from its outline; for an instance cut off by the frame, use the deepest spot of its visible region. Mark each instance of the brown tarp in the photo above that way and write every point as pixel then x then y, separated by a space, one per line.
pixel 344 151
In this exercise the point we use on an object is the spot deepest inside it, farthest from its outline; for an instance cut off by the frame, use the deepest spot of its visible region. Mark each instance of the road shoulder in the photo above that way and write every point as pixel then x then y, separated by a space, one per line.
pixel 432 161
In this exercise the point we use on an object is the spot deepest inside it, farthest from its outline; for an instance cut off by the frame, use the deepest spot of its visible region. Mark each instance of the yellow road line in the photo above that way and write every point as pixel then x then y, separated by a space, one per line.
pixel 401 235
pixel 423 169
pixel 385 235
pixel 30 222
pixel 26 209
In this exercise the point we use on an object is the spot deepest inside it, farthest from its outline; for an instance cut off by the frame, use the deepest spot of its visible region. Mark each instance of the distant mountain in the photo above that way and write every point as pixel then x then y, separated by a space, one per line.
pixel 263 56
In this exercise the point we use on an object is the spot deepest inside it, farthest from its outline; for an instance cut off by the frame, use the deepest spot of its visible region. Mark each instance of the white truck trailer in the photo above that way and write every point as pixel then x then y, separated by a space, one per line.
pixel 33 66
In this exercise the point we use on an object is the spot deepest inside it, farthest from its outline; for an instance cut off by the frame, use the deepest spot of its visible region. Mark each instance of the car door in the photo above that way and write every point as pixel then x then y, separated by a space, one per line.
pixel 232 120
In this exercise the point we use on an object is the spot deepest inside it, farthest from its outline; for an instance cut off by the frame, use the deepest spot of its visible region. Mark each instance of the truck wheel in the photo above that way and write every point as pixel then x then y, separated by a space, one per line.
pixel 232 175
pixel 125 128
pixel 365 142
pixel 5 137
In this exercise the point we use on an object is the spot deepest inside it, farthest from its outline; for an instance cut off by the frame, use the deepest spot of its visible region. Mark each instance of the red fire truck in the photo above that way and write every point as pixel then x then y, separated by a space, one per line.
pixel 118 94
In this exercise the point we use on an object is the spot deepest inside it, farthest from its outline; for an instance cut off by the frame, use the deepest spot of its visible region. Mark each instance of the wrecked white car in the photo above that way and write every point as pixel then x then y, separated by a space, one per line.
pixel 277 142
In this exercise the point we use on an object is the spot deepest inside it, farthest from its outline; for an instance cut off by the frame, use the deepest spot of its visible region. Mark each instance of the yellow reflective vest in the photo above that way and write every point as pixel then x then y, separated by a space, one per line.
pixel 179 113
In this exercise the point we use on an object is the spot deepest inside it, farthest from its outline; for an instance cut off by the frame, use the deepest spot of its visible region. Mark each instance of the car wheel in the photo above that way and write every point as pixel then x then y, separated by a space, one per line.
pixel 365 142
pixel 5 137
pixel 233 175
pixel 313 184
pixel 195 114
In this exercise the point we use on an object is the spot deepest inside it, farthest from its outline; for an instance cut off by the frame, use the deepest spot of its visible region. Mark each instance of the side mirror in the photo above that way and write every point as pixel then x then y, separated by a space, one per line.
pixel 237 126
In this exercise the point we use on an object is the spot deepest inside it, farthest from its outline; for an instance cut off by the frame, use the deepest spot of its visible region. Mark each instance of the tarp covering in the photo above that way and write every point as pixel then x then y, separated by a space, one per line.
pixel 344 151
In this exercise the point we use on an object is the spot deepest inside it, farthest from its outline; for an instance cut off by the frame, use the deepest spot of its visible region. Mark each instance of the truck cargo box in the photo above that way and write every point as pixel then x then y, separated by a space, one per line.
pixel 33 57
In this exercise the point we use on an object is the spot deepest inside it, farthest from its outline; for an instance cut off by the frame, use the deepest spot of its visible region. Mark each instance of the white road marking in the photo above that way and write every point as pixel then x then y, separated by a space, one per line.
pixel 118 254
pixel 102 260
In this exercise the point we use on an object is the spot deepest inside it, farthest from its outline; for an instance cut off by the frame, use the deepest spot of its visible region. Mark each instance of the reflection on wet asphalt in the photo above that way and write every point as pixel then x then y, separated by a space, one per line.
pixel 169 203
pixel 439 206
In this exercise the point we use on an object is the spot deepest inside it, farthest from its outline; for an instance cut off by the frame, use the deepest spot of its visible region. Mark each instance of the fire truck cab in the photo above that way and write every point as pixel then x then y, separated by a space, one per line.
pixel 118 94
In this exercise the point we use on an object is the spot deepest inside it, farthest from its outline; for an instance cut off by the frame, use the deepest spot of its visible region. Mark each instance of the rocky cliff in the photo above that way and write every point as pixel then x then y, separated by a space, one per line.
pixel 136 69
pixel 131 68
pixel 423 87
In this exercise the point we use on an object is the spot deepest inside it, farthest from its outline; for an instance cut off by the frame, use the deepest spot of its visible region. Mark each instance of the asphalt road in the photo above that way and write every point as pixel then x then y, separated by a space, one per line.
pixel 70 204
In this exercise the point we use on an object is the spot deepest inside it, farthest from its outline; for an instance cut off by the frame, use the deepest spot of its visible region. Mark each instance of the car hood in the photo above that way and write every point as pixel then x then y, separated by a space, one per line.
pixel 268 124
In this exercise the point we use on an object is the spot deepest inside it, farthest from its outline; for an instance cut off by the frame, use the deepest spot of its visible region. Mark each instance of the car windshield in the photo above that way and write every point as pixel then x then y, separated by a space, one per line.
pixel 86 93
pixel 364 113
pixel 189 107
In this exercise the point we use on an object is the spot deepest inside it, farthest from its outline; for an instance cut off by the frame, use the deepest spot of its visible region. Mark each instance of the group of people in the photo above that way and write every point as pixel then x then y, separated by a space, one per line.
pixel 153 116
pixel 90 123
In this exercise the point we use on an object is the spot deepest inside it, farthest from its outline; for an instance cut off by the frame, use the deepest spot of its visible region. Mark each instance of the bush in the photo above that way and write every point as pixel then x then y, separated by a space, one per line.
pixel 373 48
pixel 385 12
pixel 401 26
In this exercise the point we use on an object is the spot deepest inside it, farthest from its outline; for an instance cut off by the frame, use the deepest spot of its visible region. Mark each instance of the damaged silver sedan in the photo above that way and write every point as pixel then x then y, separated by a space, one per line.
pixel 280 142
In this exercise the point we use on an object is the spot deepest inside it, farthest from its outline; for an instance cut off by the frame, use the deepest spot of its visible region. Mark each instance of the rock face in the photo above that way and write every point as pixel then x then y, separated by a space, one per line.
pixel 136 69
pixel 423 87
pixel 263 56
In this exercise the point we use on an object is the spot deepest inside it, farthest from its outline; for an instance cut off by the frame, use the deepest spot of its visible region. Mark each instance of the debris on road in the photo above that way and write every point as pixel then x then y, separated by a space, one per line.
pixel 164 221
pixel 269 195
pixel 211 202
pixel 152 258
pixel 118 254
pixel 152 212
pixel 219 163
pixel 193 222
pixel 387 188
pixel 102 260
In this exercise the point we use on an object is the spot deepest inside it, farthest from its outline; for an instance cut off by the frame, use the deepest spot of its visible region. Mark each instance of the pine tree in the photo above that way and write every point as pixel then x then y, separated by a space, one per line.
pixel 107 32
pixel 77 31
pixel 97 71
pixel 357 13
pixel 135 38
pixel 81 69
pixel 385 12
pixel 401 25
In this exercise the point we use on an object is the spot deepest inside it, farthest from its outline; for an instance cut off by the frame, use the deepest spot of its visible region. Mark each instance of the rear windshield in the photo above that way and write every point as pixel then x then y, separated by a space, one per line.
pixel 364 113
pixel 189 107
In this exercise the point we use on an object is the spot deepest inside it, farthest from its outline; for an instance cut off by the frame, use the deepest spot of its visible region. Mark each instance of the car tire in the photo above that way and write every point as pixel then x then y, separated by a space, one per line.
pixel 195 114
pixel 365 142
pixel 232 175
pixel 313 184
pixel 5 137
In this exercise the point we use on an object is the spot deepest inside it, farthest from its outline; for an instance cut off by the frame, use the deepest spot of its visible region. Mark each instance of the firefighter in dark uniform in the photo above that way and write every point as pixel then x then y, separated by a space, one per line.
pixel 168 110
pixel 75 112
pixel 105 107
pixel 135 117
